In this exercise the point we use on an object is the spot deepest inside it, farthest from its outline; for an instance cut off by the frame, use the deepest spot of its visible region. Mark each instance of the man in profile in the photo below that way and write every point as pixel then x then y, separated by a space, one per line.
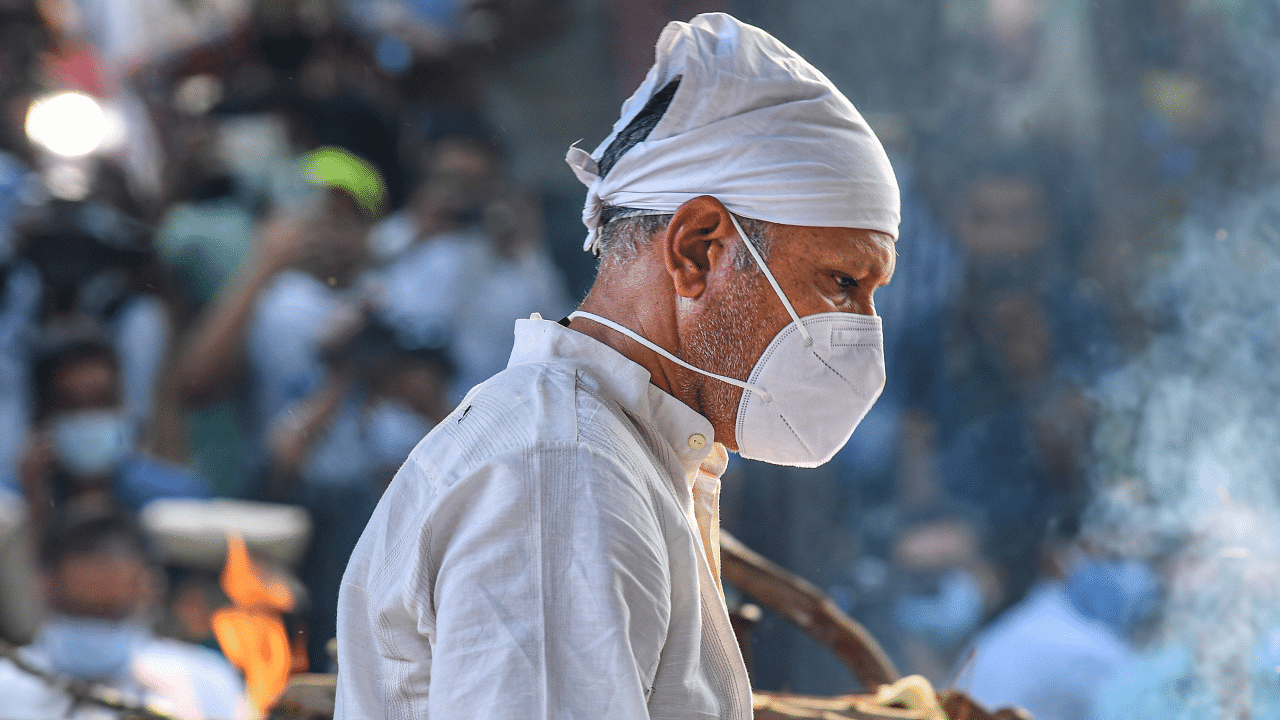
pixel 551 548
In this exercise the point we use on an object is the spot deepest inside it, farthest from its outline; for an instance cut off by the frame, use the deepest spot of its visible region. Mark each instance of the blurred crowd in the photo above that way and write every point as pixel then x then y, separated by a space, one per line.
pixel 251 251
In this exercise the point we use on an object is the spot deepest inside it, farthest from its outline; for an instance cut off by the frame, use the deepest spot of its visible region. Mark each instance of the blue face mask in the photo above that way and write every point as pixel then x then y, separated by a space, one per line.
pixel 91 649
pixel 92 442
pixel 1118 593
pixel 947 616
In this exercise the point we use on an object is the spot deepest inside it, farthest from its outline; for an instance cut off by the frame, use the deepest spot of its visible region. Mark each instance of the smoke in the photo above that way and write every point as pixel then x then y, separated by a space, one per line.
pixel 1189 455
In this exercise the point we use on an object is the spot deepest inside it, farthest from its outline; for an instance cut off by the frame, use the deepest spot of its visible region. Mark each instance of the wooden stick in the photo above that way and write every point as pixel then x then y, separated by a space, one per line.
pixel 800 602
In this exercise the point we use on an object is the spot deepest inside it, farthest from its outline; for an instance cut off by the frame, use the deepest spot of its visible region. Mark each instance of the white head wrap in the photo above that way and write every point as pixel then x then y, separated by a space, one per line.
pixel 752 124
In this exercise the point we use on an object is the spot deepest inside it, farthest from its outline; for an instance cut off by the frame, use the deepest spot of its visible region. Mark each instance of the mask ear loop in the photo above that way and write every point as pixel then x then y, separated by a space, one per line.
pixel 808 340
pixel 663 352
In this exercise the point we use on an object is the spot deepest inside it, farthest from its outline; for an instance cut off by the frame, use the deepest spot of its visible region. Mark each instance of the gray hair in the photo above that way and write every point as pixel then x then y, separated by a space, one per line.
pixel 623 231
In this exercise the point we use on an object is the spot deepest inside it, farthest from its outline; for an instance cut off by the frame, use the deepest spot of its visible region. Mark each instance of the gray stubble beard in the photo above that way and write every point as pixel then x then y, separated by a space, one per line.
pixel 724 343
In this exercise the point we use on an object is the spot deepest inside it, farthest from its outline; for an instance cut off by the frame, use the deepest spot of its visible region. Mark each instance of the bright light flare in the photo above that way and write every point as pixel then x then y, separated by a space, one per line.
pixel 69 124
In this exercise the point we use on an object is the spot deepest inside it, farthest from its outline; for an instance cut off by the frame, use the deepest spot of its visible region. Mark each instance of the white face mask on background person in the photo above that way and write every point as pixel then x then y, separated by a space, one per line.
pixel 810 388
pixel 92 442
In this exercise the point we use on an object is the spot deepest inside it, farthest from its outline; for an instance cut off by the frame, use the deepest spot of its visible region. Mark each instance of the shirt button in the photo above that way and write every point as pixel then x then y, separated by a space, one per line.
pixel 697 441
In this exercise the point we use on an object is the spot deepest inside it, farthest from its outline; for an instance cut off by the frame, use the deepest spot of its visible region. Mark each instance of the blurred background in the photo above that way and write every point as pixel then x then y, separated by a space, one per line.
pixel 252 250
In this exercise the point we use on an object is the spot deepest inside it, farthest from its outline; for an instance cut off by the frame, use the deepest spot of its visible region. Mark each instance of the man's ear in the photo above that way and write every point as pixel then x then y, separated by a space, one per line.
pixel 697 242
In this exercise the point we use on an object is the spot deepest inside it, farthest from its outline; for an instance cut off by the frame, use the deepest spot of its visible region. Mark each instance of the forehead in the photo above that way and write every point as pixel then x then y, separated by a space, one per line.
pixel 338 203
pixel 85 383
pixel 840 248
pixel 104 584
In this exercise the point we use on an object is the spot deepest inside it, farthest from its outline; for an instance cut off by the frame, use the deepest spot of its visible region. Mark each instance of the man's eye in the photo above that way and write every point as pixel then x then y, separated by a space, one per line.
pixel 846 282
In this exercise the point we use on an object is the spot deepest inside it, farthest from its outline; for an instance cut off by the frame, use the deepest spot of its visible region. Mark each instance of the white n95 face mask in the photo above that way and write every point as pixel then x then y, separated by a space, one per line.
pixel 810 388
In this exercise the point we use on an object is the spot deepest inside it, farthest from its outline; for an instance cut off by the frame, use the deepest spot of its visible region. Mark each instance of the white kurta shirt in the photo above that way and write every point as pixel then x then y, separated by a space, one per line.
pixel 539 555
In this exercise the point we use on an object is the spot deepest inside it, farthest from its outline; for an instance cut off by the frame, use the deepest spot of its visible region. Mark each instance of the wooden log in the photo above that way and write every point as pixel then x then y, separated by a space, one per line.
pixel 310 697
pixel 787 706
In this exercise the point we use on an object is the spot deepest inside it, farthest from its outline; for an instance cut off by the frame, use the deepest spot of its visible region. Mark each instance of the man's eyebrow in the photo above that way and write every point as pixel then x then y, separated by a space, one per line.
pixel 886 269
pixel 884 264
pixel 865 254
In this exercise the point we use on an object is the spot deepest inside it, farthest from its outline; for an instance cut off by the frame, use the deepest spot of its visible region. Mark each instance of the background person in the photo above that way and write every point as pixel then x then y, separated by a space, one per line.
pixel 269 323
pixel 1053 651
pixel 84 443
pixel 101 590
pixel 334 451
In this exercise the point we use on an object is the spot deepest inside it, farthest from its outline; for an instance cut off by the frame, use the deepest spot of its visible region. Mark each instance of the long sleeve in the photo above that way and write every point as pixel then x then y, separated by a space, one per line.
pixel 549 572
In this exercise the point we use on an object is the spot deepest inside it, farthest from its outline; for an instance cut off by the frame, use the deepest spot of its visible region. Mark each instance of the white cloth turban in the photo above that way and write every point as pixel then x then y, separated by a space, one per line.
pixel 752 124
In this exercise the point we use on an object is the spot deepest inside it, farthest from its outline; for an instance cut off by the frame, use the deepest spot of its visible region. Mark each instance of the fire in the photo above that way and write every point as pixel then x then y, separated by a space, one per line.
pixel 251 631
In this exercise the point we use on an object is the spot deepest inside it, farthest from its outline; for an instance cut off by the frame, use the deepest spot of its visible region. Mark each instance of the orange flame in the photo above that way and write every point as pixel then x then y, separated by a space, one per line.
pixel 247 586
pixel 251 632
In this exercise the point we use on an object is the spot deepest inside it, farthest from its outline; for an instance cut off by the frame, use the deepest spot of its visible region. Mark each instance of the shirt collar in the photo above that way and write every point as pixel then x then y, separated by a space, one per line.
pixel 689 434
